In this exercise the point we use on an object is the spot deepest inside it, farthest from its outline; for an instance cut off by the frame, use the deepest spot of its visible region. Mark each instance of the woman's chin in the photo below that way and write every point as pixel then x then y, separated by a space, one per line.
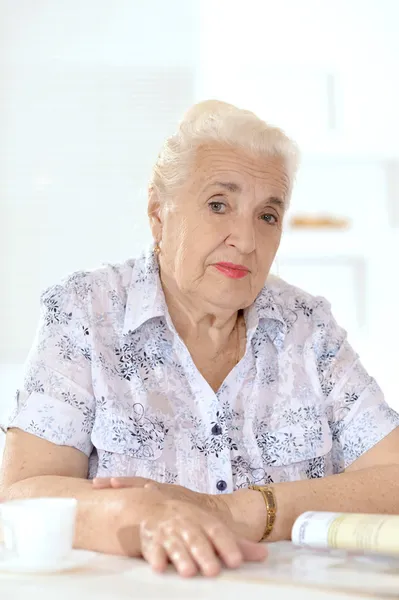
pixel 230 297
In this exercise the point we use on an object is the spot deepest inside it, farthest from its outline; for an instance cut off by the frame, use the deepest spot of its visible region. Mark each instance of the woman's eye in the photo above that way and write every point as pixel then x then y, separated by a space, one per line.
pixel 217 207
pixel 269 218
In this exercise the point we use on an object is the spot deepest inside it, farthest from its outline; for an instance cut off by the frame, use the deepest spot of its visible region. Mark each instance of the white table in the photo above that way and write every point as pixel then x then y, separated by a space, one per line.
pixel 110 577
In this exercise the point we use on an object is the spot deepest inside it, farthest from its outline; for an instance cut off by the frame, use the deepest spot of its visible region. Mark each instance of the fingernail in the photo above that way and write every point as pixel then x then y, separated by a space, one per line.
pixel 187 570
pixel 211 569
pixel 235 559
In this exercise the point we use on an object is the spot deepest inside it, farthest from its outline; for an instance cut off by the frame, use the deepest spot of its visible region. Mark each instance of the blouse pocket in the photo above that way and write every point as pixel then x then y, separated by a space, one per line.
pixel 140 435
pixel 107 463
pixel 122 451
pixel 300 451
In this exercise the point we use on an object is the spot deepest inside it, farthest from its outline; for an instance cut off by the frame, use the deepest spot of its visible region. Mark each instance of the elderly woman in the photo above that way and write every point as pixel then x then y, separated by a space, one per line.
pixel 192 403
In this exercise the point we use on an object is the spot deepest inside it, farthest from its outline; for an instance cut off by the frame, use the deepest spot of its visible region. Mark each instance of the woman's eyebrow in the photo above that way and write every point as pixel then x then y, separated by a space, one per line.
pixel 235 187
pixel 276 201
pixel 227 185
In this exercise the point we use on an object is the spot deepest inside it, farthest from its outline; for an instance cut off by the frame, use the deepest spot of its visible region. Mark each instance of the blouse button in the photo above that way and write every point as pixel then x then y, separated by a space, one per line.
pixel 216 430
pixel 221 485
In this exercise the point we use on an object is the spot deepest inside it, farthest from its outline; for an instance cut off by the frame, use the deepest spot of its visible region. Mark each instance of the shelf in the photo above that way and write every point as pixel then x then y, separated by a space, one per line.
pixel 335 244
pixel 341 148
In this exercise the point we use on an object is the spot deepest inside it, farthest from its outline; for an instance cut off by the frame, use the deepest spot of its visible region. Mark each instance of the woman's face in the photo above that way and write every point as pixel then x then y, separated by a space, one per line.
pixel 220 233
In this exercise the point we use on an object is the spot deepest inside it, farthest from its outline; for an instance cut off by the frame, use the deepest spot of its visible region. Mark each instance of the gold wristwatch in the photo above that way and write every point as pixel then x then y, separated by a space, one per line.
pixel 271 507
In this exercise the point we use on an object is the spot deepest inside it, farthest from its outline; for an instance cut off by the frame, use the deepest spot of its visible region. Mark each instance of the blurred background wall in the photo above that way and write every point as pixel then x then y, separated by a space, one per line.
pixel 89 89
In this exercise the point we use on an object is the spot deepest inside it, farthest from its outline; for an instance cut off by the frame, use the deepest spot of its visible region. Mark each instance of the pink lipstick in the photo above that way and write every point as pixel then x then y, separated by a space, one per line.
pixel 231 270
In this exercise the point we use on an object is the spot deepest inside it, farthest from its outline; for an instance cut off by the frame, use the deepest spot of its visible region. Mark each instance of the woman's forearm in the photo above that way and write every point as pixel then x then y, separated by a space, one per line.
pixel 107 520
pixel 371 490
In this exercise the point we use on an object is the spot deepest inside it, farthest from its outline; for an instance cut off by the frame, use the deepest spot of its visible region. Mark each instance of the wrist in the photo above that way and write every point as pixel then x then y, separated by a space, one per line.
pixel 248 513
pixel 218 506
pixel 285 516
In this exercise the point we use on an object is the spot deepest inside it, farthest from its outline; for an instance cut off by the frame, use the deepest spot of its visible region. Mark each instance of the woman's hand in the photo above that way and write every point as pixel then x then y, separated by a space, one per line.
pixel 175 492
pixel 192 539
pixel 216 505
pixel 172 526
pixel 244 511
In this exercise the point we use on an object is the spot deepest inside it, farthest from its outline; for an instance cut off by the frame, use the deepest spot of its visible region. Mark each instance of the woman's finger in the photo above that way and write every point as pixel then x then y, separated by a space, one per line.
pixel 119 482
pixel 201 549
pixel 153 486
pixel 155 554
pixel 225 544
pixel 193 541
pixel 179 555
pixel 101 482
pixel 127 482
pixel 251 551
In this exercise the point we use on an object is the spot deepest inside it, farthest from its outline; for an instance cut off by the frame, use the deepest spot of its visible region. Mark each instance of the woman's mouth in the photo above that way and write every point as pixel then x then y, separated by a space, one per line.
pixel 231 270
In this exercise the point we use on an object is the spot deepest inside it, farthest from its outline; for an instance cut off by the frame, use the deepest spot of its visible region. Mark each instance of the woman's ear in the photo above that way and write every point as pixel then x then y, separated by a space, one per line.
pixel 154 213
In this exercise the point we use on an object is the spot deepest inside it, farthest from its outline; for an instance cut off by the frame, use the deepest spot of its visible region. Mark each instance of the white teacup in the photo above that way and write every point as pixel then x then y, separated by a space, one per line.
pixel 38 532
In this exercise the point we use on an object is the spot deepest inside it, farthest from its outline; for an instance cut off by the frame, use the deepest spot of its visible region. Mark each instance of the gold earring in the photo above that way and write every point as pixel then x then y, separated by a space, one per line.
pixel 157 249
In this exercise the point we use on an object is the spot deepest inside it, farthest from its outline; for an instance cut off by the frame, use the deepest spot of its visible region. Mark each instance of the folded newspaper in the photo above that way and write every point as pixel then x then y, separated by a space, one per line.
pixel 342 552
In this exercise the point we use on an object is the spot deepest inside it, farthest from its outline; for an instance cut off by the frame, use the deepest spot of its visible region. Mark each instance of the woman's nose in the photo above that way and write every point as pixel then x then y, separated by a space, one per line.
pixel 242 235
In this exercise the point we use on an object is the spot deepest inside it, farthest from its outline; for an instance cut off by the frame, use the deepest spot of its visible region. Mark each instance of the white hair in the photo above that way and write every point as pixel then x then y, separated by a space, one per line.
pixel 219 122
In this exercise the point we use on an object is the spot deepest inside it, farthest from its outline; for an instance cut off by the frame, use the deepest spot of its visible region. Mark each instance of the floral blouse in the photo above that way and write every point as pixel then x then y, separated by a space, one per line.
pixel 109 375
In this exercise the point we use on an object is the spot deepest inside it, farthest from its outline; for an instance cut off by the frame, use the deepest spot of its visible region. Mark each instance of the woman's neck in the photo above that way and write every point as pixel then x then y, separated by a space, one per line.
pixel 196 320
pixel 214 338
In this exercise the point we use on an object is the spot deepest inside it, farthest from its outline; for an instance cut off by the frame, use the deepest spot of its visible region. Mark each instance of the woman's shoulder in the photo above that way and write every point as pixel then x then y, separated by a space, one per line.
pixel 296 305
pixel 291 295
pixel 104 282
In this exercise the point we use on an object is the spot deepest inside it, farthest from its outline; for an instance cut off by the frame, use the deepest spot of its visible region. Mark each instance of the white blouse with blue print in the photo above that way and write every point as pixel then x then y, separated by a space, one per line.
pixel 110 376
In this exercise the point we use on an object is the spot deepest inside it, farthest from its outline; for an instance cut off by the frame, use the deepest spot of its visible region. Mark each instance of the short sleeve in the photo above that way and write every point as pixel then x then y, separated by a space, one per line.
pixel 358 414
pixel 56 401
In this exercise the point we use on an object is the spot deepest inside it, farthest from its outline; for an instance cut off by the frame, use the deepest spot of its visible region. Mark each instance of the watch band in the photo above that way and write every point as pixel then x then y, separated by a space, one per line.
pixel 271 507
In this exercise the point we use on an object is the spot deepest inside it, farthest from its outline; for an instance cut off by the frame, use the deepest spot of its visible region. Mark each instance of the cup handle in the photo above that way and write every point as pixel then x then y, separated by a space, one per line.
pixel 8 538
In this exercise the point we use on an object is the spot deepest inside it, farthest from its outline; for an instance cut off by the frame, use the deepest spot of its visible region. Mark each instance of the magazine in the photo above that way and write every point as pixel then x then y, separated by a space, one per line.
pixel 341 552
pixel 348 531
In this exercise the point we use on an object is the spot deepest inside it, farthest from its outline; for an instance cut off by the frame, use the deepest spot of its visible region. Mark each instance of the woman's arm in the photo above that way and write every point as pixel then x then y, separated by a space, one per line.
pixel 132 521
pixel 100 517
pixel 33 467
pixel 369 485
pixel 365 438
